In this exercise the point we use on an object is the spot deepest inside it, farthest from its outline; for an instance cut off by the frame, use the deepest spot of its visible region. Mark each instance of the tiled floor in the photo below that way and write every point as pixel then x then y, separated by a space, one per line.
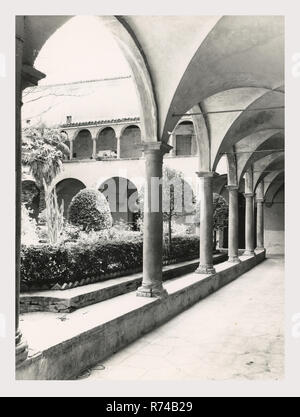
pixel 236 333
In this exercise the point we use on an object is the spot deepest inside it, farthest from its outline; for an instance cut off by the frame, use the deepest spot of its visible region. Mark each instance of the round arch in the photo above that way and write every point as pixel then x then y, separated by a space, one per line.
pixel 107 142
pixel 252 121
pixel 260 143
pixel 83 145
pixel 122 196
pixel 273 185
pixel 66 189
pixel 257 40
pixel 130 142
pixel 41 28
pixel 265 166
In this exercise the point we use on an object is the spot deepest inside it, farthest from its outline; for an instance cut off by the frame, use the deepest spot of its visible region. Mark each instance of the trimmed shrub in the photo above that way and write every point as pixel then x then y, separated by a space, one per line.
pixel 44 266
pixel 90 211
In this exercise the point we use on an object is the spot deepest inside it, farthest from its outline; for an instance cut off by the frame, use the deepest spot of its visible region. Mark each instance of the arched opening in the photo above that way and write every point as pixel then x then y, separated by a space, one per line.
pixel 83 145
pixel 66 139
pixel 129 143
pixel 122 197
pixel 116 60
pixel 107 143
pixel 31 196
pixel 185 140
pixel 66 190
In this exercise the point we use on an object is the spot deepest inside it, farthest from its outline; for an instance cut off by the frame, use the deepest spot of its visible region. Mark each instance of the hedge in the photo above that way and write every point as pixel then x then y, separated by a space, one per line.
pixel 43 266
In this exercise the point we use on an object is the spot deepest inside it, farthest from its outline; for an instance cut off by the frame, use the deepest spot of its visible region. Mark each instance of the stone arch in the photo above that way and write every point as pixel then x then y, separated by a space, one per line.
pixel 83 145
pixel 260 143
pixel 263 166
pixel 130 142
pixel 122 196
pixel 107 141
pixel 66 189
pixel 279 190
pixel 272 186
pixel 249 122
pixel 242 58
pixel 43 27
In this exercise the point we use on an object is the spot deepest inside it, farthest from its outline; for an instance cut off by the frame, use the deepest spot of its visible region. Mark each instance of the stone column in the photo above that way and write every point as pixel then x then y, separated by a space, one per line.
pixel 206 223
pixel 71 149
pixel 260 223
pixel 153 221
pixel 233 224
pixel 94 148
pixel 118 146
pixel 173 144
pixel 249 225
pixel 220 239
pixel 25 76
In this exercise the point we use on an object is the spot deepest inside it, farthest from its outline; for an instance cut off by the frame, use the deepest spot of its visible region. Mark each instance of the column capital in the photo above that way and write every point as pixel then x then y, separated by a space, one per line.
pixel 249 195
pixel 30 76
pixel 260 200
pixel 208 174
pixel 155 147
pixel 232 187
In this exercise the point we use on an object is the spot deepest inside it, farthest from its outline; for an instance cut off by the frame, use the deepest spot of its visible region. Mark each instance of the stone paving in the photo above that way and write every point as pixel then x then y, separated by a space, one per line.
pixel 236 333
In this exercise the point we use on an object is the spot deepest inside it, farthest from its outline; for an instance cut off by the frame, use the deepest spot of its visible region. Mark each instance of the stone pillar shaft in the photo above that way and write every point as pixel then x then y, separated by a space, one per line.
pixel 153 222
pixel 118 147
pixel 220 239
pixel 94 148
pixel 71 149
pixel 206 223
pixel 173 144
pixel 249 225
pixel 26 76
pixel 21 346
pixel 233 225
pixel 260 224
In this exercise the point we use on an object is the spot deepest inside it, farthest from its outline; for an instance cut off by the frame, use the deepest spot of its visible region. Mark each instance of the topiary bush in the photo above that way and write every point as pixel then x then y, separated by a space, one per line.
pixel 90 211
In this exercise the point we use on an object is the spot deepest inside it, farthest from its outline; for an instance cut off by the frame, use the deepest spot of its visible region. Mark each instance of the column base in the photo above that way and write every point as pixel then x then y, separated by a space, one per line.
pixel 206 270
pixel 249 253
pixel 234 259
pixel 151 292
pixel 21 349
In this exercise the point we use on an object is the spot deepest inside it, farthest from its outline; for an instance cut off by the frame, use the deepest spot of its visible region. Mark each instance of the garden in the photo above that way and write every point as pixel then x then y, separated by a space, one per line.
pixel 86 247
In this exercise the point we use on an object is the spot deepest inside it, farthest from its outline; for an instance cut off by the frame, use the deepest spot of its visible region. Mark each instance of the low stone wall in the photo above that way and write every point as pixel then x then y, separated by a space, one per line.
pixel 65 360
pixel 70 300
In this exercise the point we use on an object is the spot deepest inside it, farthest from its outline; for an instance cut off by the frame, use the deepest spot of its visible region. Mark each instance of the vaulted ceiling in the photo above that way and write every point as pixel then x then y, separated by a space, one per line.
pixel 230 69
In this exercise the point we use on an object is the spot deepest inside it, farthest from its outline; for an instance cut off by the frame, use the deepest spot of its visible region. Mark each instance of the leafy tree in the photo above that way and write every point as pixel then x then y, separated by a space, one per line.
pixel 178 199
pixel 90 211
pixel 43 151
pixel 220 214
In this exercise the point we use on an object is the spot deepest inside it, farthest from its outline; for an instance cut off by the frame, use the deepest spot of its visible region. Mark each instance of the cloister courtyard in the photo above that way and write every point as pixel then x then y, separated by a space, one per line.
pixel 150 198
